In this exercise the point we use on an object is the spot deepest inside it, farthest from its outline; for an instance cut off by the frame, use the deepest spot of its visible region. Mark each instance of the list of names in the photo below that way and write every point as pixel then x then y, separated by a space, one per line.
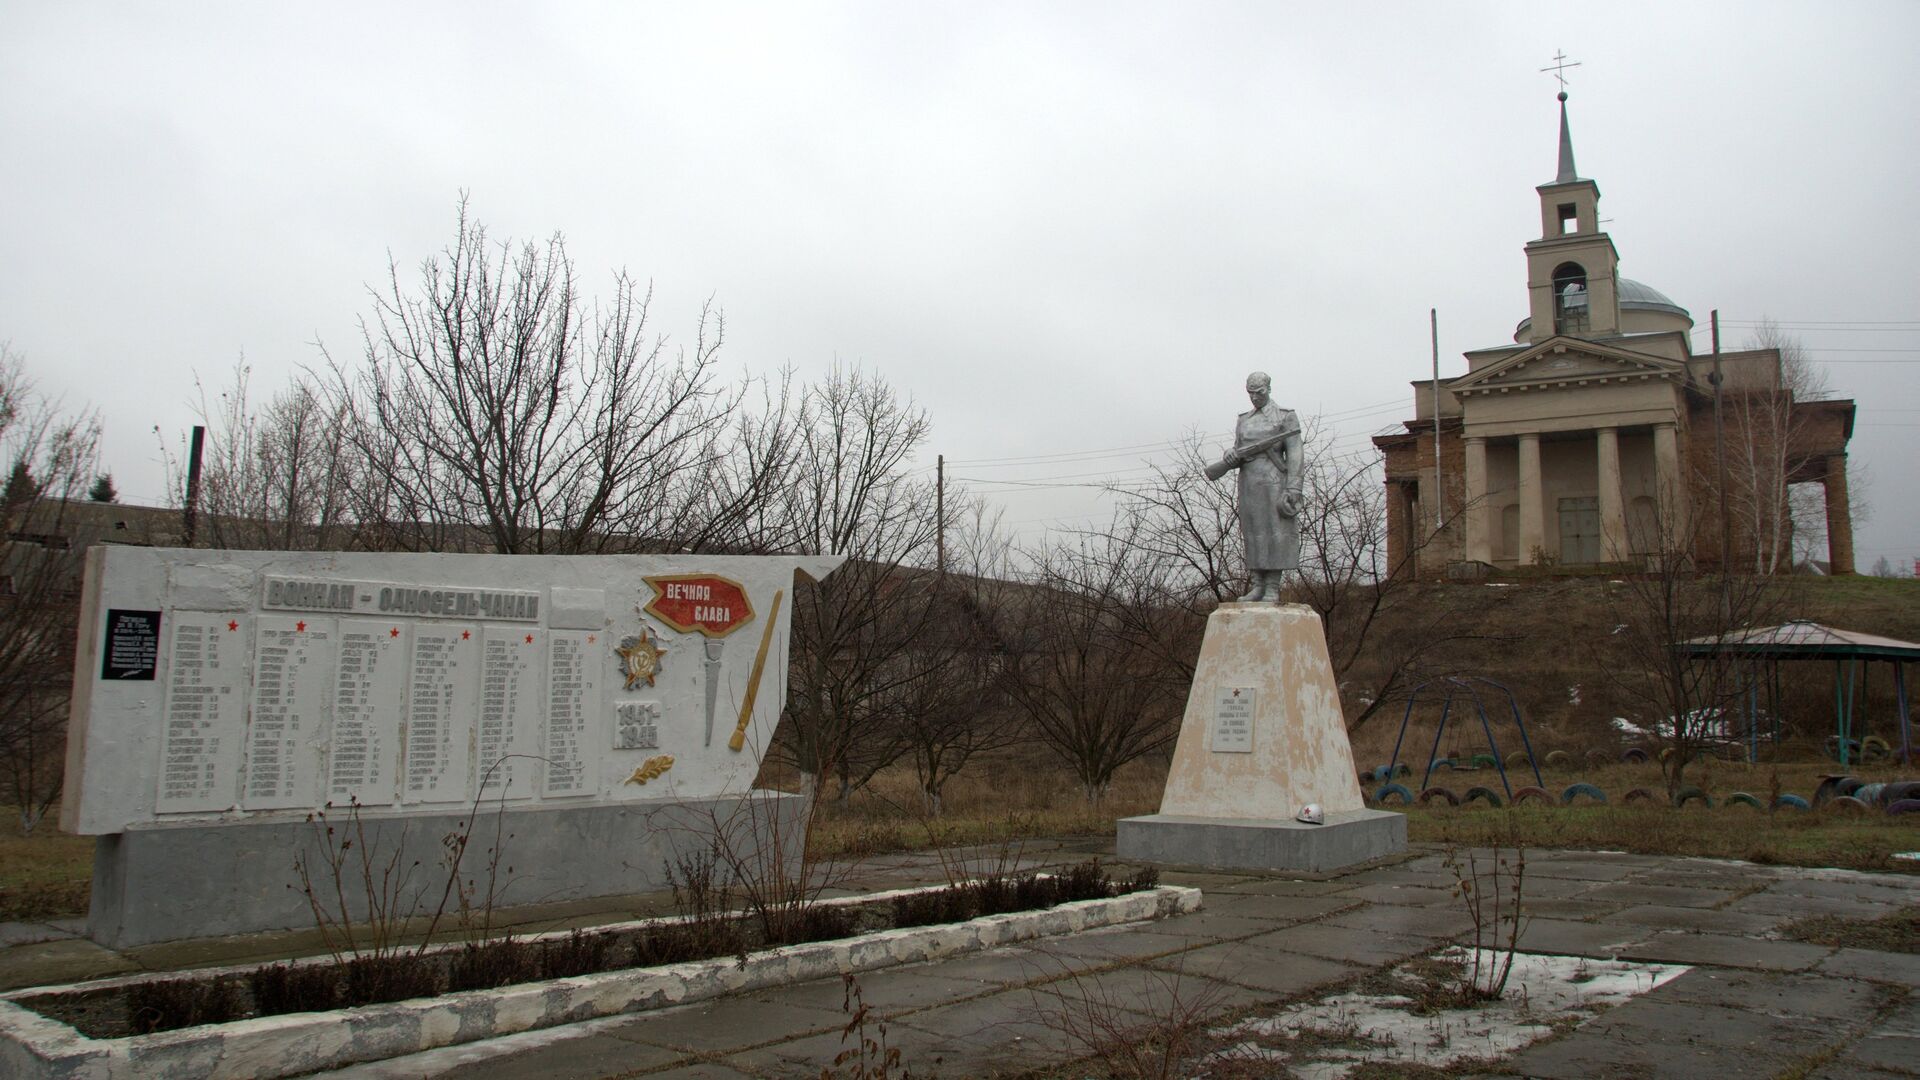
pixel 204 714
pixel 509 711
pixel 293 663
pixel 573 698
pixel 441 700
pixel 369 693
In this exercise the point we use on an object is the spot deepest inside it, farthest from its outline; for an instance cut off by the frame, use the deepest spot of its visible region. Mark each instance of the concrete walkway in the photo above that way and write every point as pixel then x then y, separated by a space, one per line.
pixel 1752 1005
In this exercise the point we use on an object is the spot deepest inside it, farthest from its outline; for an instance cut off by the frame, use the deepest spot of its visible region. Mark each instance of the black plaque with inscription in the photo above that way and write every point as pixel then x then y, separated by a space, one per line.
pixel 132 650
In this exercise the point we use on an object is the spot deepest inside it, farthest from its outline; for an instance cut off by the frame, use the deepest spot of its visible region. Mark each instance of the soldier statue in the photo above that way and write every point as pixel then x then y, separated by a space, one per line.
pixel 1266 450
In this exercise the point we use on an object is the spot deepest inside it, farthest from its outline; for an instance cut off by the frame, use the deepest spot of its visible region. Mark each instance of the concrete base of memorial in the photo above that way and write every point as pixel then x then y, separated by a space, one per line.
pixel 1263 736
pixel 1354 836
pixel 171 884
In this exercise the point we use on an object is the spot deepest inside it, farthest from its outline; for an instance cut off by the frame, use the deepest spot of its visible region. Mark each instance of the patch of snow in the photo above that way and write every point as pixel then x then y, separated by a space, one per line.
pixel 1541 990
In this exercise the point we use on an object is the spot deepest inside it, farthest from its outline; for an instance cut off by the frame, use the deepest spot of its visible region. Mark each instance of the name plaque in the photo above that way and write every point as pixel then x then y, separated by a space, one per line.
pixel 1233 711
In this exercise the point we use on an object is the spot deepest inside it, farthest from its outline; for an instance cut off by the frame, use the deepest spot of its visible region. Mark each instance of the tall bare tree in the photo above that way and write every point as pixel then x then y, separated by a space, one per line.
pixel 495 406
pixel 51 456
pixel 1765 431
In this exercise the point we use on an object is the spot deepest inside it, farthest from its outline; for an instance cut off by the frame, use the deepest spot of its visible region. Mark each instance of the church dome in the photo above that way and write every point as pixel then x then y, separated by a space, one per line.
pixel 1636 296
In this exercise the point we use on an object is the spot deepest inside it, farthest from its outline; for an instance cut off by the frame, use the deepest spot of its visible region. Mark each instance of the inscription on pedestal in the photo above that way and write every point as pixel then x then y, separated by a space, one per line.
pixel 445 693
pixel 1233 720
pixel 573 697
pixel 370 689
pixel 509 712
pixel 205 713
pixel 293 664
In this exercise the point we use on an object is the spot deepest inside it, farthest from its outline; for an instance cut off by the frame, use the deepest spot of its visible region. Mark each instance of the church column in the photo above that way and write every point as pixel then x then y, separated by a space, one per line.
pixel 1479 546
pixel 1533 511
pixel 1668 491
pixel 1613 510
pixel 1839 517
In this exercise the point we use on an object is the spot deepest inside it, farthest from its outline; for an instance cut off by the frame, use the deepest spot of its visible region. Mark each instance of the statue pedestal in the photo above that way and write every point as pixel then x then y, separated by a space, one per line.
pixel 1263 736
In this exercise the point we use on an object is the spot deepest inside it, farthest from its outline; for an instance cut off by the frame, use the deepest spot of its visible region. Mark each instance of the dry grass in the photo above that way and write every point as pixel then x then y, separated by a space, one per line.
pixel 44 875
pixel 1898 932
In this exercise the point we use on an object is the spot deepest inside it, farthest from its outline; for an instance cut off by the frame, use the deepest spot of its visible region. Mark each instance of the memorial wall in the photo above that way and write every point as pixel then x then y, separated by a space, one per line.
pixel 216 686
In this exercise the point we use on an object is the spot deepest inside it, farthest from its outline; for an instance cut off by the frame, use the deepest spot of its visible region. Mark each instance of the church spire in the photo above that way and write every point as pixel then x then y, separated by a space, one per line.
pixel 1567 172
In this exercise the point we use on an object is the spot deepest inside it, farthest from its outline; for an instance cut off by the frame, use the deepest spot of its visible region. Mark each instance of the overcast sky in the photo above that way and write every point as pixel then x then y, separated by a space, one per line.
pixel 1068 230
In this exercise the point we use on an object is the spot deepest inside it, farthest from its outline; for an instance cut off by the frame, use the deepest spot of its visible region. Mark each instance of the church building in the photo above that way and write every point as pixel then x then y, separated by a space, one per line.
pixel 1590 440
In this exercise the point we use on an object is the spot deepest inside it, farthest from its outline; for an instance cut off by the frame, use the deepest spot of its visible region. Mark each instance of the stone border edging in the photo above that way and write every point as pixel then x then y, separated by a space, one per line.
pixel 34 1047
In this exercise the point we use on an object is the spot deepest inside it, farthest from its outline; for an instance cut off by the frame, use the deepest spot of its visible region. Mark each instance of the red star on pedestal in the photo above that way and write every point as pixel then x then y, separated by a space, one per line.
pixel 300 627
pixel 529 639
pixel 591 638
pixel 231 625
pixel 395 632
pixel 465 634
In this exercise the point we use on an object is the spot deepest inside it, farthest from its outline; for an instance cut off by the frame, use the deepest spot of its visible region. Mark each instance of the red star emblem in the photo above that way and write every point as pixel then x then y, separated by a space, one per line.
pixel 395 632
pixel 231 625
pixel 529 639
pixel 591 638
pixel 300 627
pixel 465 634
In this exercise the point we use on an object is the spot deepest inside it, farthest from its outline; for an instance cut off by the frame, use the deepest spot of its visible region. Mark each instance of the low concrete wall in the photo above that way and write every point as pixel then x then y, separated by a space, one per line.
pixel 1349 837
pixel 170 884
pixel 33 1047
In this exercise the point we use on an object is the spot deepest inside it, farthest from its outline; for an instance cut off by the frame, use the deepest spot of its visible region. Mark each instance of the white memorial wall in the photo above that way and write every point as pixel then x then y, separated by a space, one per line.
pixel 224 686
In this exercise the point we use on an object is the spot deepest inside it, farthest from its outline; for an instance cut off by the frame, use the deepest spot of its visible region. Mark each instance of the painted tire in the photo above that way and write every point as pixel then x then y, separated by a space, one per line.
pixel 1638 794
pixel 1485 761
pixel 1790 801
pixel 1380 796
pixel 1591 792
pixel 1845 803
pixel 1633 755
pixel 1833 748
pixel 1871 794
pixel 1443 763
pixel 1848 785
pixel 1432 793
pixel 1875 748
pixel 1559 759
pixel 1830 787
pixel 1741 798
pixel 1905 806
pixel 1689 793
pixel 1542 795
pixel 1518 759
pixel 1599 758
pixel 1901 789
pixel 1492 797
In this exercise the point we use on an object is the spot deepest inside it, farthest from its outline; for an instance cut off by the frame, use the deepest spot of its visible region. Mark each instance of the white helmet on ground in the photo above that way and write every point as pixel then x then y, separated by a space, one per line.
pixel 1311 814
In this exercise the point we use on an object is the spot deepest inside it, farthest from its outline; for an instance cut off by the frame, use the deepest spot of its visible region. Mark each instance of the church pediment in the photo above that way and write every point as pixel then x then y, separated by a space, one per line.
pixel 1561 361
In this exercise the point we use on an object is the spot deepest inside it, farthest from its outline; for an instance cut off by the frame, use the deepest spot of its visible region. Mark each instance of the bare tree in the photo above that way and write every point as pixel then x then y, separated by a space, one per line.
pixel 274 477
pixel 1692 697
pixel 494 406
pixel 52 458
pixel 860 640
pixel 1764 430
pixel 1088 679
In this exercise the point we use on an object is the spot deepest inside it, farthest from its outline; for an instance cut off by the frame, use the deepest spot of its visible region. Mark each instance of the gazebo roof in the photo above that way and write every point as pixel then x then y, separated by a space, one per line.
pixel 1803 640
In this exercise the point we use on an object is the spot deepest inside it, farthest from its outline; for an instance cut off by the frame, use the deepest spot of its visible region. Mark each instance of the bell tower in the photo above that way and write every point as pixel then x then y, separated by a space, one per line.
pixel 1572 270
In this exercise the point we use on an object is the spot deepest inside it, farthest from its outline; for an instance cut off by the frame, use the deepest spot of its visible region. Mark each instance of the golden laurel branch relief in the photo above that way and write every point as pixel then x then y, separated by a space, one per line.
pixel 640 658
pixel 651 769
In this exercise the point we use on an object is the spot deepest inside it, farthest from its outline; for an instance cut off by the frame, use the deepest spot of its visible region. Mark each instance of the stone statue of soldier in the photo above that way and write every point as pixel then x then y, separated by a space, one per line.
pixel 1266 450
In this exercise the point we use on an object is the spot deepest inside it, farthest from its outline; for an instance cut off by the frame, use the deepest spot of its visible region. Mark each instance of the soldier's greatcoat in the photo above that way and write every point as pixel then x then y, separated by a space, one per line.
pixel 1273 541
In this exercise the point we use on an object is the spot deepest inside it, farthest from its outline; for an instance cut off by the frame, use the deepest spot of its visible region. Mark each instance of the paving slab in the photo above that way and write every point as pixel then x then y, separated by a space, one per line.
pixel 919 1051
pixel 1876 889
pixel 1405 895
pixel 1366 947
pixel 1572 910
pixel 703 1070
pixel 1278 909
pixel 584 1058
pixel 1406 921
pixel 1277 973
pixel 1563 938
pixel 1286 887
pixel 1630 892
pixel 52 963
pixel 1645 1040
pixel 1580 869
pixel 723 1025
pixel 1203 926
pixel 1795 906
pixel 1703 920
pixel 32 933
pixel 1108 946
pixel 1771 994
pixel 1900 968
pixel 1433 876
pixel 1846 1069
pixel 1170 991
pixel 1721 950
pixel 1892 1052
pixel 1006 1027
pixel 888 992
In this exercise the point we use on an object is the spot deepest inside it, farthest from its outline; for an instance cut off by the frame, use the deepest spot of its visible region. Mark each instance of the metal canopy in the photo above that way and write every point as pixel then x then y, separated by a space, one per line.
pixel 1803 640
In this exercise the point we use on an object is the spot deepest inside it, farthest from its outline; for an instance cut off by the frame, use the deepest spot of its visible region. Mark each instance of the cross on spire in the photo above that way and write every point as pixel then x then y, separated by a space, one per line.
pixel 1559 70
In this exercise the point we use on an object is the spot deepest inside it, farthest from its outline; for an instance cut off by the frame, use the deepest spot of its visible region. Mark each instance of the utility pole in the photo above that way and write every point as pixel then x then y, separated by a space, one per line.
pixel 1720 457
pixel 940 513
pixel 191 515
pixel 1439 497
